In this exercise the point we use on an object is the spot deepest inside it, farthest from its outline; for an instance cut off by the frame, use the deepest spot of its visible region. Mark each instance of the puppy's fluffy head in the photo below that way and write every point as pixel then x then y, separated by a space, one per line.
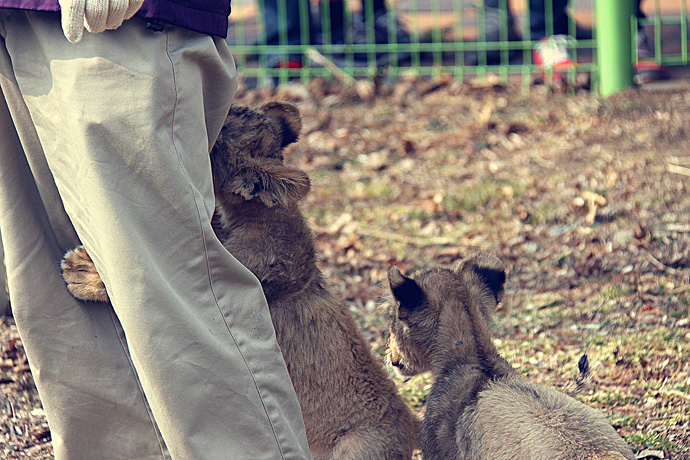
pixel 247 159
pixel 433 309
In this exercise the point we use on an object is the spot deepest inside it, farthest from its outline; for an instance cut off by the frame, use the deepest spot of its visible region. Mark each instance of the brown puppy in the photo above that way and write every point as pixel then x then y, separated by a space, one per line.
pixel 479 408
pixel 349 402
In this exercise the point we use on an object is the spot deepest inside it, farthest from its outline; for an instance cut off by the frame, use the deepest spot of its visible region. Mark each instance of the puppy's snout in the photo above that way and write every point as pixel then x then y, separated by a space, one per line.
pixel 394 355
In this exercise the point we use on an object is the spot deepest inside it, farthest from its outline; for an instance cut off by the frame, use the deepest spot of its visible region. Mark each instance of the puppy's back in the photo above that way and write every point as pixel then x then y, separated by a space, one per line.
pixel 517 420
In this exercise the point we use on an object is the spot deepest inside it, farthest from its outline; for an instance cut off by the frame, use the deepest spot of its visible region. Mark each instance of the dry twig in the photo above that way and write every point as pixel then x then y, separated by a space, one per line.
pixel 678 169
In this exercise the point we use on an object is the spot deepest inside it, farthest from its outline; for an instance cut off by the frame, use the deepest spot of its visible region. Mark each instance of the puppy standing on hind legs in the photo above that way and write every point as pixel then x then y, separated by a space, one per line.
pixel 479 408
pixel 349 402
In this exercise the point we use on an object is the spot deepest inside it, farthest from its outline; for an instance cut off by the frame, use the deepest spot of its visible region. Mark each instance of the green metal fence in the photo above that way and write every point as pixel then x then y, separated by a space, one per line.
pixel 456 38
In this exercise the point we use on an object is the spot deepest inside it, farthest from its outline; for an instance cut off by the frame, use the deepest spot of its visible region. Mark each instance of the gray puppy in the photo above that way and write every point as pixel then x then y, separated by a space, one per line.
pixel 479 408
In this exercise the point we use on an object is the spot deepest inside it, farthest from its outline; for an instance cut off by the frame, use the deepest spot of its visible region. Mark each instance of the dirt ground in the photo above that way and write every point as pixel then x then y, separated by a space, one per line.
pixel 585 200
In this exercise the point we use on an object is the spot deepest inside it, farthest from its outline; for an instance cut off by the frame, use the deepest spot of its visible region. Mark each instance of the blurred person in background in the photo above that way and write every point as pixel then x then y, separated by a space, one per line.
pixel 549 25
pixel 298 26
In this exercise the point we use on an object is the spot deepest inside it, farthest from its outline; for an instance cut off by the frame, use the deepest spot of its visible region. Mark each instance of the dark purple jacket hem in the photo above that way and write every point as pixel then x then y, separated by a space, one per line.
pixel 203 16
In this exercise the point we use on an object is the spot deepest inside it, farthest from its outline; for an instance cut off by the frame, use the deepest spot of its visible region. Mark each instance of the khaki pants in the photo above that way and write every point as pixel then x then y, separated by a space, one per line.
pixel 106 143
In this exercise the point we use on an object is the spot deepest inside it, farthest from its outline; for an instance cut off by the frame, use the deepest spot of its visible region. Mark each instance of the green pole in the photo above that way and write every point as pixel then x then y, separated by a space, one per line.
pixel 614 45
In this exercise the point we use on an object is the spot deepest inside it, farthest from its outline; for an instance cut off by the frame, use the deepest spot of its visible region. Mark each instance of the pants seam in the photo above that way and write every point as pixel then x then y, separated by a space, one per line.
pixel 206 256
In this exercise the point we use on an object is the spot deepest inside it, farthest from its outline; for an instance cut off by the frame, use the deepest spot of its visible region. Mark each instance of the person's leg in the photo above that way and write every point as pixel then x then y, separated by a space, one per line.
pixel 639 14
pixel 333 12
pixel 499 21
pixel 375 25
pixel 557 19
pixel 647 69
pixel 644 49
pixel 126 119
pixel 77 352
pixel 284 26
pixel 499 25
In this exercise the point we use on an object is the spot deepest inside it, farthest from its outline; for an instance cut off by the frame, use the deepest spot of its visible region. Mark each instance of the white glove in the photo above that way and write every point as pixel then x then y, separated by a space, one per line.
pixel 95 15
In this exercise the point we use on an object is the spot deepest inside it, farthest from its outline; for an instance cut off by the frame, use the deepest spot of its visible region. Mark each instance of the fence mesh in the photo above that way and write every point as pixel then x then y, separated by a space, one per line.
pixel 275 41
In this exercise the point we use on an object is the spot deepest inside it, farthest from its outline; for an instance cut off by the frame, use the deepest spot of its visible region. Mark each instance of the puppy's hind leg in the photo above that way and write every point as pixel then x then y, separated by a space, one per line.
pixel 363 445
pixel 351 446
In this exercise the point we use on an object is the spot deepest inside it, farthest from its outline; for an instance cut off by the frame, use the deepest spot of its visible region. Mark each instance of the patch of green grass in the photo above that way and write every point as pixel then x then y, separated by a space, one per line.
pixel 613 292
pixel 379 189
pixel 541 119
pixel 684 388
pixel 651 441
pixel 414 390
pixel 481 145
pixel 518 186
pixel 436 126
pixel 624 421
pixel 418 214
pixel 319 216
pixel 546 213
pixel 544 300
pixel 471 197
pixel 678 419
pixel 613 399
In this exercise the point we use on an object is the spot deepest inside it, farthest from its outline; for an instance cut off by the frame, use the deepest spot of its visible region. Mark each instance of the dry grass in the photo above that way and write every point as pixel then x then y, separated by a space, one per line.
pixel 578 196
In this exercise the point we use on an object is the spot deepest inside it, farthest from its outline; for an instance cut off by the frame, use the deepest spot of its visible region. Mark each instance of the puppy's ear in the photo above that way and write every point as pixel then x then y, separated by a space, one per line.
pixel 272 183
pixel 286 117
pixel 406 291
pixel 485 268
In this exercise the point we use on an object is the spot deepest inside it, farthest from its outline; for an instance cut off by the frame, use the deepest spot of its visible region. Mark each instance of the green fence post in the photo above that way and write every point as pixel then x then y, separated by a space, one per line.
pixel 614 45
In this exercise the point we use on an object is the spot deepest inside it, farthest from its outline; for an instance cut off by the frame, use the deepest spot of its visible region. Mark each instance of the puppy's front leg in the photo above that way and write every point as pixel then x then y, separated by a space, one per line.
pixel 81 276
